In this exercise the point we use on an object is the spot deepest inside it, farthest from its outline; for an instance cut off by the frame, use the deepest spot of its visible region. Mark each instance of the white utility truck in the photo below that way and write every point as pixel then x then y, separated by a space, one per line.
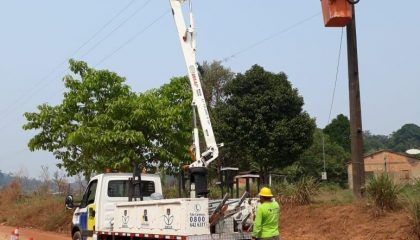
pixel 106 213
pixel 131 206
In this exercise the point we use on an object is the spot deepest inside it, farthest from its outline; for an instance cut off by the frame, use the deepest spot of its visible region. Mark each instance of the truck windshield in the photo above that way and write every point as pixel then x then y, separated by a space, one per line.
pixel 119 188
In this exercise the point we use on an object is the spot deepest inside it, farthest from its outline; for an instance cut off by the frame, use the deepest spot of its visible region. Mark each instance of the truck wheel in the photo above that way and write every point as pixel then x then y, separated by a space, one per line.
pixel 77 236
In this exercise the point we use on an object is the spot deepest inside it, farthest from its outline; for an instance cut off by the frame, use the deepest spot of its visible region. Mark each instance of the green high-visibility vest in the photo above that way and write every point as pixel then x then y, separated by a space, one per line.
pixel 266 223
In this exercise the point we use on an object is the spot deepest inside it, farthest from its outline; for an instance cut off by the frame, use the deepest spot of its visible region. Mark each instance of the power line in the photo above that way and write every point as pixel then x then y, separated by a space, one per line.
pixel 121 46
pixel 143 30
pixel 333 96
pixel 336 75
pixel 24 97
pixel 116 28
pixel 226 59
pixel 132 38
pixel 103 27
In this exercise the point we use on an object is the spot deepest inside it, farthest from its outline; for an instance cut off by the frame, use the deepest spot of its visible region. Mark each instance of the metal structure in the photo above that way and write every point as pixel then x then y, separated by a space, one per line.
pixel 187 38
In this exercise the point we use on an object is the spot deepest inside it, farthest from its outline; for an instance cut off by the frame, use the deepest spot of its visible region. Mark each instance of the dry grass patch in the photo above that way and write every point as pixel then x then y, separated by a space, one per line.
pixel 44 211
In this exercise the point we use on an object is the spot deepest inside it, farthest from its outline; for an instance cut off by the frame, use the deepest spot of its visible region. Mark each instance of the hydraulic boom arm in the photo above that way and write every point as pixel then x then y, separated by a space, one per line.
pixel 187 36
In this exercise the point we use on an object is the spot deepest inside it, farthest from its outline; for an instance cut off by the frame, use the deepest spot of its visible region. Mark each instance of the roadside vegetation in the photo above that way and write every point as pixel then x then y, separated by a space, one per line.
pixel 387 195
pixel 302 201
pixel 301 192
pixel 412 205
pixel 384 192
pixel 38 209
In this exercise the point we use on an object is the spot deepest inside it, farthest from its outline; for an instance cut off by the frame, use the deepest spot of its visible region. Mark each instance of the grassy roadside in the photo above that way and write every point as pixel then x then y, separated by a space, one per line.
pixel 37 210
pixel 330 212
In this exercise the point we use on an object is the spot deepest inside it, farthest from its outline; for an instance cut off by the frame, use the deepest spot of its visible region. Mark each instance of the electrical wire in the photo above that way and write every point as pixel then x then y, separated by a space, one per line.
pixel 103 27
pixel 333 95
pixel 116 28
pixel 336 75
pixel 274 35
pixel 117 49
pixel 132 38
pixel 41 84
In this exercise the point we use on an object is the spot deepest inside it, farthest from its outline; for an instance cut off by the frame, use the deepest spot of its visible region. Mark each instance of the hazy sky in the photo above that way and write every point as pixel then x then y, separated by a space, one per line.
pixel 38 36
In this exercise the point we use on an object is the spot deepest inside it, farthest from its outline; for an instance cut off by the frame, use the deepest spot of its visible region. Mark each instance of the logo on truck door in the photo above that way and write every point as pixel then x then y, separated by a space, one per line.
pixel 125 219
pixel 168 218
pixel 197 207
pixel 145 218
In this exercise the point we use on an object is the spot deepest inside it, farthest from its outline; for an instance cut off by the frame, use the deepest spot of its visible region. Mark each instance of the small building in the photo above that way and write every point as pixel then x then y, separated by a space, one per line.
pixel 402 167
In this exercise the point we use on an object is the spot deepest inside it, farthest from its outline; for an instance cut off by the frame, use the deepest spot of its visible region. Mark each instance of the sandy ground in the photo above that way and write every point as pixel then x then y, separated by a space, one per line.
pixel 26 234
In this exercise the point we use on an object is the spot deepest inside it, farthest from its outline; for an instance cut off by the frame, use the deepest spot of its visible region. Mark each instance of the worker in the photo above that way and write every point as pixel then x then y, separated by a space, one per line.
pixel 266 223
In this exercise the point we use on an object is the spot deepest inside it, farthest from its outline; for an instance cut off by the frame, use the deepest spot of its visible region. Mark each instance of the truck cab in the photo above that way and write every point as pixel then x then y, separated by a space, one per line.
pixel 100 199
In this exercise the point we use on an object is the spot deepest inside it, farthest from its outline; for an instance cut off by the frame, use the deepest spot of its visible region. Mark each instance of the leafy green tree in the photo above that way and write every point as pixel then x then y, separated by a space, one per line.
pixel 262 121
pixel 339 131
pixel 214 78
pixel 407 137
pixel 311 163
pixel 101 123
pixel 373 143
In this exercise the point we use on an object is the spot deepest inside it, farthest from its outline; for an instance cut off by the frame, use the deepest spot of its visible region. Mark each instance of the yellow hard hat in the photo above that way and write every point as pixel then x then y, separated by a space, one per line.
pixel 265 192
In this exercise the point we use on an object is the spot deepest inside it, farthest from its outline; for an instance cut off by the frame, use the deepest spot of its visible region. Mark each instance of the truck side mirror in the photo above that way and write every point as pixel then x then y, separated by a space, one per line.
pixel 69 202
pixel 92 212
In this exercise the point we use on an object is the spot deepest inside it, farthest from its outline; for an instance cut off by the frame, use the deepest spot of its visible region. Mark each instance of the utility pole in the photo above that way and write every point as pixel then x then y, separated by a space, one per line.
pixel 356 132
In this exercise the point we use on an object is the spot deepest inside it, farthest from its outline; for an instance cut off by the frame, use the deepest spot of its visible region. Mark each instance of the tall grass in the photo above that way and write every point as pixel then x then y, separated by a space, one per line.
pixel 300 192
pixel 416 184
pixel 413 208
pixel 384 192
pixel 42 211
pixel 333 194
pixel 412 205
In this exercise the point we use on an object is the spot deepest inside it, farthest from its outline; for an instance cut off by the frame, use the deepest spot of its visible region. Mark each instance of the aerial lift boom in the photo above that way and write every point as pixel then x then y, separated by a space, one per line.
pixel 187 38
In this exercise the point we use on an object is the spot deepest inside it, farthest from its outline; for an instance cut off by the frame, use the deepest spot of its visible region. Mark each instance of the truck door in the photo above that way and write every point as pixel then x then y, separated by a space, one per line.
pixel 87 211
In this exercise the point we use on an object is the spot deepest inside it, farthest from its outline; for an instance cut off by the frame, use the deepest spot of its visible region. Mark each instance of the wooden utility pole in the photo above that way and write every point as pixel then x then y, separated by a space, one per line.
pixel 356 132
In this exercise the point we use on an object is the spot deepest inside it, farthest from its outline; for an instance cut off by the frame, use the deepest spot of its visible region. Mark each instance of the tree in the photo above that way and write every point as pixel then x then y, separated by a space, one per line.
pixel 45 179
pixel 101 123
pixel 311 163
pixel 407 137
pixel 214 77
pixel 373 143
pixel 262 121
pixel 61 184
pixel 169 117
pixel 4 179
pixel 339 131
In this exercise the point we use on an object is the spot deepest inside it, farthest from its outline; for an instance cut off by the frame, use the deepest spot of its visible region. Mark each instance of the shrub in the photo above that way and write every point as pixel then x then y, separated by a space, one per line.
pixel 33 210
pixel 413 208
pixel 333 194
pixel 12 193
pixel 383 191
pixel 298 193
pixel 170 191
pixel 416 184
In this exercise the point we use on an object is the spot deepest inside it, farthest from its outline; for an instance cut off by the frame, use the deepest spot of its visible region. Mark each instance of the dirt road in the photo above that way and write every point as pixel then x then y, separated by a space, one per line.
pixel 35 234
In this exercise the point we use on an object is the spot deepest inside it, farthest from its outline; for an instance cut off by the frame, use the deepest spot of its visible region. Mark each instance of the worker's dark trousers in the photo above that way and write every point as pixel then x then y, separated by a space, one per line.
pixel 270 238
